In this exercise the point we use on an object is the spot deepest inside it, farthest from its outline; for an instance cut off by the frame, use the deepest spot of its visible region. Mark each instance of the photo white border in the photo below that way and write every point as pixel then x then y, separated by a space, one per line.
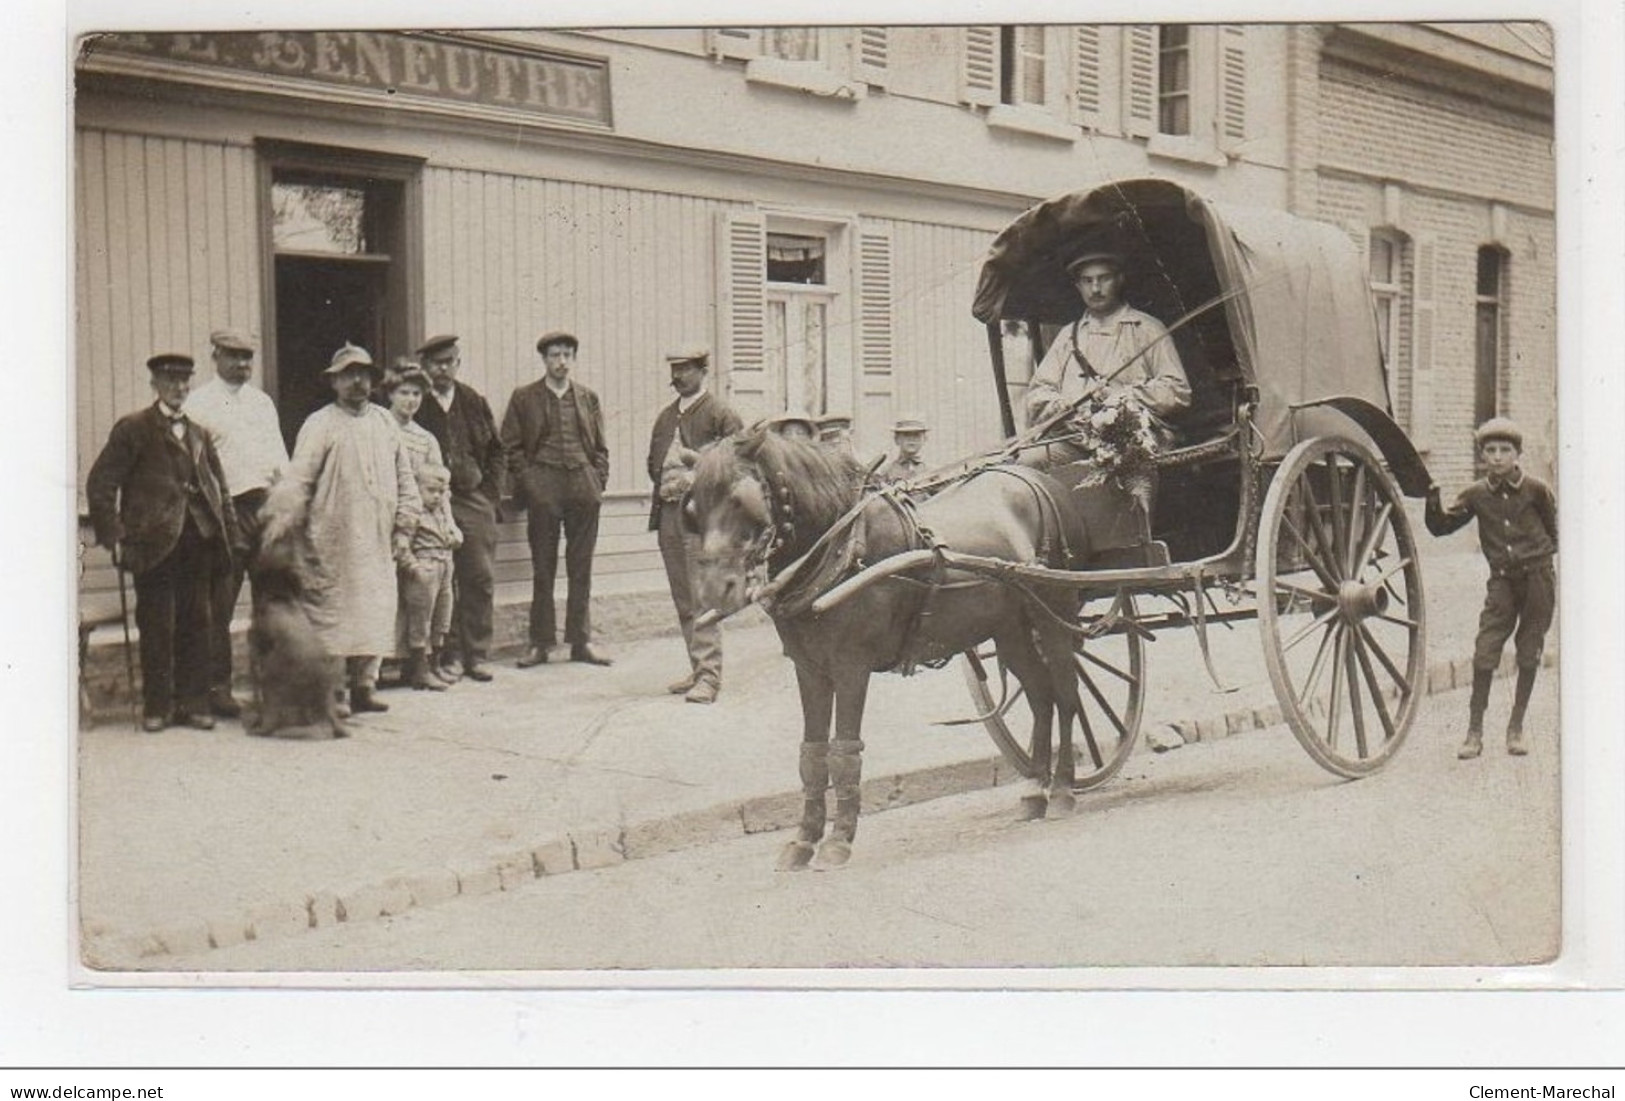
pixel 1570 1012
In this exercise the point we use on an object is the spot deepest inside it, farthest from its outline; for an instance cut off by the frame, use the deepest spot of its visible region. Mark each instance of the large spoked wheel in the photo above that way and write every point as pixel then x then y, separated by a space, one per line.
pixel 1340 605
pixel 1111 685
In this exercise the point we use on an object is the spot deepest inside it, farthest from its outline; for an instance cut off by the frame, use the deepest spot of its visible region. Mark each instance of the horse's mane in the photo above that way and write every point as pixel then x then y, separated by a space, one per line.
pixel 821 483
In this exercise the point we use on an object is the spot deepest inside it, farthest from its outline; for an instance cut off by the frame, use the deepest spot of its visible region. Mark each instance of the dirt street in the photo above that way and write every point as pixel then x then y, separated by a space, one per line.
pixel 1239 852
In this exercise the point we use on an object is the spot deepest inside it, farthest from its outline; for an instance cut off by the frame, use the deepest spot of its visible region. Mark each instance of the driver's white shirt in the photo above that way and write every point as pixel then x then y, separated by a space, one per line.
pixel 1157 378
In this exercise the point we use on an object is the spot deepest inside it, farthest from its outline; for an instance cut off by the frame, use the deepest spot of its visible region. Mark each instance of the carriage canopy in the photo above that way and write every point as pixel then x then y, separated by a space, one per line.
pixel 1294 315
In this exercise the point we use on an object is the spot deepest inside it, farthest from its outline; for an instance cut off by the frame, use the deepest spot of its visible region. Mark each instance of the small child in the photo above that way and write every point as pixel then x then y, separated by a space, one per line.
pixel 425 578
pixel 1517 530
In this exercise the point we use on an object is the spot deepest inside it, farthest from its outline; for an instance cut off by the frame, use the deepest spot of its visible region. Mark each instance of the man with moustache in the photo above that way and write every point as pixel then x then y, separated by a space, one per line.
pixel 242 423
pixel 350 483
pixel 695 420
pixel 158 499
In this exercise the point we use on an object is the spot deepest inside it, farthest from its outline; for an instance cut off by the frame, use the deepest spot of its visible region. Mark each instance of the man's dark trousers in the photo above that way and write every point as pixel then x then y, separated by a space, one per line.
pixel 228 586
pixel 175 615
pixel 473 577
pixel 566 500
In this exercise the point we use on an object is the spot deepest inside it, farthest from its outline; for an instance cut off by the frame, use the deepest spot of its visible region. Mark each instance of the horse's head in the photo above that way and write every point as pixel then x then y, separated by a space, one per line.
pixel 758 501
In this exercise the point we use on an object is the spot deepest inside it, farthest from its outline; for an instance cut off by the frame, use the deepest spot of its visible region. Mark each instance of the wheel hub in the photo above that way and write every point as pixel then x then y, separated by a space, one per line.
pixel 1357 600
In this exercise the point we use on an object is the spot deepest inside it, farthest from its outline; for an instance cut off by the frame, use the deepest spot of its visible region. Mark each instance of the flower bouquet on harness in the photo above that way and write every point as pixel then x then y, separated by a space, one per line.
pixel 1117 439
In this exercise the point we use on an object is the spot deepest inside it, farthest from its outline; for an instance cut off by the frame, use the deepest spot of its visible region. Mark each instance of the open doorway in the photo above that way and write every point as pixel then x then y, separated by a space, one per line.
pixel 342 229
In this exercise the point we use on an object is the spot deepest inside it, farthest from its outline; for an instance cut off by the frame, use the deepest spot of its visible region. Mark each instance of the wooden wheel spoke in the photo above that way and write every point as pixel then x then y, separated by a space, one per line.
pixel 1111 713
pixel 1340 518
pixel 1320 595
pixel 1376 691
pixel 1382 578
pixel 1398 621
pixel 1327 553
pixel 1121 674
pixel 1310 554
pixel 1370 642
pixel 1333 712
pixel 1316 668
pixel 1309 629
pixel 1356 524
pixel 1368 547
pixel 1089 740
pixel 1356 708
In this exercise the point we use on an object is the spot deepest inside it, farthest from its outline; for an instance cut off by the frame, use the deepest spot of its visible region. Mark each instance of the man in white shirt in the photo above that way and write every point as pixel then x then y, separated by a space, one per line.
pixel 1112 347
pixel 241 421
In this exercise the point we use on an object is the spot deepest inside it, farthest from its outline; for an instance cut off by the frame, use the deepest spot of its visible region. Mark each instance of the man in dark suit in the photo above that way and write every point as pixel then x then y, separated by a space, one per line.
pixel 688 424
pixel 461 420
pixel 553 433
pixel 159 500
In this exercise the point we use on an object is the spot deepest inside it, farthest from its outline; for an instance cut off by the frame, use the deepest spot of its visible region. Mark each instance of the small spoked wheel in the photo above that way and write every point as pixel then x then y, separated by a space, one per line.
pixel 1111 686
pixel 1340 605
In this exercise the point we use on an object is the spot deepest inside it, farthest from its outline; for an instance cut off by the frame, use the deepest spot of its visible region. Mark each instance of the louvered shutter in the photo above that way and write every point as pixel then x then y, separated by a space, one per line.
pixel 742 271
pixel 876 381
pixel 1424 251
pixel 1140 80
pixel 1230 122
pixel 742 42
pixel 1086 89
pixel 871 47
pixel 979 66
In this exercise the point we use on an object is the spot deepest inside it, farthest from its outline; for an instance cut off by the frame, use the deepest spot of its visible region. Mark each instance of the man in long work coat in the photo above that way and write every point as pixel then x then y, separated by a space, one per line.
pixel 158 498
pixel 696 419
pixel 553 433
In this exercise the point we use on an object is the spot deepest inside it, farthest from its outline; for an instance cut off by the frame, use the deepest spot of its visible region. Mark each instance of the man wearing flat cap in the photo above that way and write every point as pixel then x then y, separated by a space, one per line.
pixel 460 418
pixel 1112 347
pixel 694 421
pixel 350 485
pixel 241 420
pixel 553 433
pixel 158 499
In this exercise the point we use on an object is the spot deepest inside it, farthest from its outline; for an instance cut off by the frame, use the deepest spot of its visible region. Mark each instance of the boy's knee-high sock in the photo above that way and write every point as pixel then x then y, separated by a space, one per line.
pixel 1480 699
pixel 1520 698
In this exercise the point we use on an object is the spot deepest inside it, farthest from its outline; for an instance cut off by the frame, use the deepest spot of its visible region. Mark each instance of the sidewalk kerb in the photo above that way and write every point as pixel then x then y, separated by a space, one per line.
pixel 605 847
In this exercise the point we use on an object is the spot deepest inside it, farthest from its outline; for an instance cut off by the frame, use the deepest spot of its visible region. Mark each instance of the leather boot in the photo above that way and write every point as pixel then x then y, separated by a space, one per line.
pixel 362 699
pixel 418 676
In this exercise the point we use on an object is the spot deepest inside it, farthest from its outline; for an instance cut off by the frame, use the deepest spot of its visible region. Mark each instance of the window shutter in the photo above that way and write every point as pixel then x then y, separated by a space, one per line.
pixel 1140 80
pixel 871 47
pixel 875 301
pixel 1231 121
pixel 1424 252
pixel 742 42
pixel 1086 91
pixel 742 267
pixel 979 76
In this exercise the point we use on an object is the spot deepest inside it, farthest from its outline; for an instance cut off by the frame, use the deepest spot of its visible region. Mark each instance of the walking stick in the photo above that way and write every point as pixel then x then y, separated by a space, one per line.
pixel 124 621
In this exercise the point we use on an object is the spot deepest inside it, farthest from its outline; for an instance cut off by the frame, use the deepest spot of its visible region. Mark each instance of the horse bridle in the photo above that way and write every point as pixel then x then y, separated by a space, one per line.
pixel 754 559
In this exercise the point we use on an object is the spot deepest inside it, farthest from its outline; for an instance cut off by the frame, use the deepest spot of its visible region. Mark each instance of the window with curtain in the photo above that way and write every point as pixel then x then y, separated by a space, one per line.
pixel 1022 62
pixel 1173 79
pixel 791 43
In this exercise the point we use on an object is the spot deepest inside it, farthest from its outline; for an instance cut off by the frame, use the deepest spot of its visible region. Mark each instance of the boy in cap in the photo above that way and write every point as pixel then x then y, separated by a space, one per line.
pixel 909 436
pixel 242 422
pixel 425 578
pixel 158 498
pixel 694 421
pixel 1517 531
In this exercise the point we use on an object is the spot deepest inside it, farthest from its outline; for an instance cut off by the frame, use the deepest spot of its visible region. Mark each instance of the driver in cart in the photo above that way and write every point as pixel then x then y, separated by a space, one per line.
pixel 1096 366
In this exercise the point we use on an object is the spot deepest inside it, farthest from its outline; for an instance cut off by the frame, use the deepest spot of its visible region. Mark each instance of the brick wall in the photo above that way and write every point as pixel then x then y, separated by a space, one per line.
pixel 1458 173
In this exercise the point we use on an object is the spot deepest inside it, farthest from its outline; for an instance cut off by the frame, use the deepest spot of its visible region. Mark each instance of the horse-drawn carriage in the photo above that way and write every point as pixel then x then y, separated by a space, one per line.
pixel 1280 500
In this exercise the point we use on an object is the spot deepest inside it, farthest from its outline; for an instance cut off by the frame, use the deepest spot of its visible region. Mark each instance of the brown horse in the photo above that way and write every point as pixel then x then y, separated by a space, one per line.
pixel 761 502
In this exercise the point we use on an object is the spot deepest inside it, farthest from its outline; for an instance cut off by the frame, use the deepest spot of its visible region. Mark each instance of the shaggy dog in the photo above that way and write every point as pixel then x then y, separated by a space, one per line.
pixel 295 678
